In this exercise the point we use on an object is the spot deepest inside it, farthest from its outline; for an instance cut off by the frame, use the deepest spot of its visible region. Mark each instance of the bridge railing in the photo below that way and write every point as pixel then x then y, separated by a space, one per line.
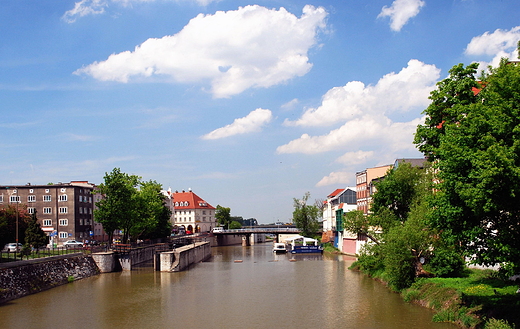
pixel 262 230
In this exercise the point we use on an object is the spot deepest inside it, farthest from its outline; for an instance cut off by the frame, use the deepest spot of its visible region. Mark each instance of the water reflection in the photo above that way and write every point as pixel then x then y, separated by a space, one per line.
pixel 263 290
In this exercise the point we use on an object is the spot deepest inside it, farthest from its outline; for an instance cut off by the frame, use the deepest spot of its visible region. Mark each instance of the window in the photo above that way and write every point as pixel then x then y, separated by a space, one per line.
pixel 47 222
pixel 63 190
pixel 63 235
pixel 31 190
pixel 64 222
pixel 14 198
pixel 31 198
pixel 47 210
pixel 47 198
pixel 31 210
pixel 1 198
pixel 63 197
pixel 63 210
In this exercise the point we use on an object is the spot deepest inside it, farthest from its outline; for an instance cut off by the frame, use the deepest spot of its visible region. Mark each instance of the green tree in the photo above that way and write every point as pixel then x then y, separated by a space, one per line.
pixel 222 215
pixel 153 217
pixel 305 216
pixel 34 235
pixel 477 155
pixel 117 209
pixel 8 220
pixel 234 225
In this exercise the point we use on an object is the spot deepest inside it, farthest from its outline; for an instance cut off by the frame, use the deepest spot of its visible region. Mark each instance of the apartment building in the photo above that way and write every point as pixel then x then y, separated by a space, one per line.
pixel 365 185
pixel 64 210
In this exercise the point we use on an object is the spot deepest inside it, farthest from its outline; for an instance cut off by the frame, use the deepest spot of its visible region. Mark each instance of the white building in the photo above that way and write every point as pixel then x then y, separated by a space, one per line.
pixel 337 203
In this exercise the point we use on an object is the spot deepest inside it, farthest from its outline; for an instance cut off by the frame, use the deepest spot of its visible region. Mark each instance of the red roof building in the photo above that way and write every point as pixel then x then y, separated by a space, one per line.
pixel 192 213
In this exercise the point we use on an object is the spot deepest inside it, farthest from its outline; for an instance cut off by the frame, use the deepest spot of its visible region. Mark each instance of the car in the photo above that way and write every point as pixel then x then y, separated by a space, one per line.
pixel 218 229
pixel 73 244
pixel 11 247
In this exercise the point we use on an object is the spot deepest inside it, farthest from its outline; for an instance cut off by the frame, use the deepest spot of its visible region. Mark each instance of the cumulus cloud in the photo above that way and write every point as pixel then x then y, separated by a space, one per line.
pixel 499 44
pixel 394 92
pixel 234 50
pixel 253 122
pixel 93 7
pixel 334 178
pixel 356 157
pixel 400 12
pixel 364 112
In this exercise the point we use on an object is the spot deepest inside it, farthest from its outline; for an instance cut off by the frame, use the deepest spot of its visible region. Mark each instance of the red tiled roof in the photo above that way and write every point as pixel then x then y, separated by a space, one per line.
pixel 336 192
pixel 189 200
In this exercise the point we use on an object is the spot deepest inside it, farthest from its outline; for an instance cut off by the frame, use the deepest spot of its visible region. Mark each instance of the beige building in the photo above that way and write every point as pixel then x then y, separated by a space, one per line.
pixel 191 213
pixel 365 186
pixel 64 210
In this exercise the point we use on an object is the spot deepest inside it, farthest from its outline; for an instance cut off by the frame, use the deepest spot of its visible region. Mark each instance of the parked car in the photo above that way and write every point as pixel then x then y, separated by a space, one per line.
pixel 11 247
pixel 73 244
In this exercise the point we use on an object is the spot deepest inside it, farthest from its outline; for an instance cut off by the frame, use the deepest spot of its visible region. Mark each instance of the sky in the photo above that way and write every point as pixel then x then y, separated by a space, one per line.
pixel 249 104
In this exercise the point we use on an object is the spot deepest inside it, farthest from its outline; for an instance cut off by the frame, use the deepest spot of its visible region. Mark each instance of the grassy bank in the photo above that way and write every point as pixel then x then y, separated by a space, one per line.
pixel 480 300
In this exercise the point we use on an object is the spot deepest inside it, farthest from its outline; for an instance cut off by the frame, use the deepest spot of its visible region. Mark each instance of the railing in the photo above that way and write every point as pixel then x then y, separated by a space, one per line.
pixel 262 230
pixel 10 256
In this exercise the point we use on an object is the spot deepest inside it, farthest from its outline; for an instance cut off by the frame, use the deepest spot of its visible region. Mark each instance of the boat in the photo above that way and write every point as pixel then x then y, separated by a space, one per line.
pixel 302 245
pixel 279 248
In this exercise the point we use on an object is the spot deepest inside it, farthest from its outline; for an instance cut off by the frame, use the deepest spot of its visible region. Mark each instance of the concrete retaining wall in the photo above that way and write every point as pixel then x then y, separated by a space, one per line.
pixel 107 262
pixel 19 279
pixel 181 258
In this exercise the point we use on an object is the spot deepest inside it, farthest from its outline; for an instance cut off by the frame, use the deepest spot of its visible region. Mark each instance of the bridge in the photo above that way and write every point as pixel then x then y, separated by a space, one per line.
pixel 258 230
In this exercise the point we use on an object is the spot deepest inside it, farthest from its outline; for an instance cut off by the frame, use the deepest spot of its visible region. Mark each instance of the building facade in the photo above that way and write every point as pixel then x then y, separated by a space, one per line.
pixel 365 186
pixel 64 210
pixel 337 203
pixel 191 213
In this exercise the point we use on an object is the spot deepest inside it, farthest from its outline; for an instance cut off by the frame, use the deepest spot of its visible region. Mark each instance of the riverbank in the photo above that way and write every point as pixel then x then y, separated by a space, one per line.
pixel 18 279
pixel 479 300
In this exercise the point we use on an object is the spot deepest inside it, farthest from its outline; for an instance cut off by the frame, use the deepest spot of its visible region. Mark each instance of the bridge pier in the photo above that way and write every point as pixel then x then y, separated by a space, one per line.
pixel 246 240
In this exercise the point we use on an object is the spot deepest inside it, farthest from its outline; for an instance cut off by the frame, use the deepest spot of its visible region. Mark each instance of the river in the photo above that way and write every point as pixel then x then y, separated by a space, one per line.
pixel 240 287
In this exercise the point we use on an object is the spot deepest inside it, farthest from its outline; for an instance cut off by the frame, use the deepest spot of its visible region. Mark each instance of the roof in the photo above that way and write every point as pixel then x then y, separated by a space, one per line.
pixel 336 192
pixel 416 162
pixel 189 200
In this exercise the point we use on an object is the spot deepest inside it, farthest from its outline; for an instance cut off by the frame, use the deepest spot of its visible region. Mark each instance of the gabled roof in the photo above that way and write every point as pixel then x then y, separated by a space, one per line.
pixel 189 200
pixel 336 192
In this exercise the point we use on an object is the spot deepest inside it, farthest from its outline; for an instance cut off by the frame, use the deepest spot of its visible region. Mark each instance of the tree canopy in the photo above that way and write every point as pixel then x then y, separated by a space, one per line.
pixel 135 207
pixel 305 216
pixel 400 232
pixel 223 216
pixel 474 138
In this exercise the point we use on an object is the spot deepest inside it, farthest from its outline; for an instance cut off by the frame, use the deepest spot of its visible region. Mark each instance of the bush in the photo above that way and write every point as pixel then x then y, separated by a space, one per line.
pixel 498 324
pixel 446 263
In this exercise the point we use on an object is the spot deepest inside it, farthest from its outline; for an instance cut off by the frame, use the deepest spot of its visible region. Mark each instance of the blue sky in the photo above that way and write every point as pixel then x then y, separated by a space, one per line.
pixel 249 104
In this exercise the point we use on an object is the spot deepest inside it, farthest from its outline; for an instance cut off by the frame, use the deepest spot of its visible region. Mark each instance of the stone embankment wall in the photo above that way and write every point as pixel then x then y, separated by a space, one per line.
pixel 181 258
pixel 24 278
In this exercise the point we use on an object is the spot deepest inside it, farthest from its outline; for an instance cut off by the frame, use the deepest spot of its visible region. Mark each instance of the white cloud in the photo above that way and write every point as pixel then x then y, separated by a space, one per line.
pixel 499 44
pixel 399 92
pixel 253 122
pixel 93 7
pixel 364 111
pixel 354 158
pixel 336 178
pixel 84 8
pixel 355 134
pixel 400 12
pixel 290 104
pixel 234 50
pixel 493 43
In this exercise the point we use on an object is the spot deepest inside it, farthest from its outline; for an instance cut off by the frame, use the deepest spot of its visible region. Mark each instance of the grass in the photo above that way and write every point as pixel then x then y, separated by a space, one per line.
pixel 480 300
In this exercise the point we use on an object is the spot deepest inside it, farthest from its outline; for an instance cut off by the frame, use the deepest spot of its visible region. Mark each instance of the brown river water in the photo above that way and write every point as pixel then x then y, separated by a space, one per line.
pixel 239 287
